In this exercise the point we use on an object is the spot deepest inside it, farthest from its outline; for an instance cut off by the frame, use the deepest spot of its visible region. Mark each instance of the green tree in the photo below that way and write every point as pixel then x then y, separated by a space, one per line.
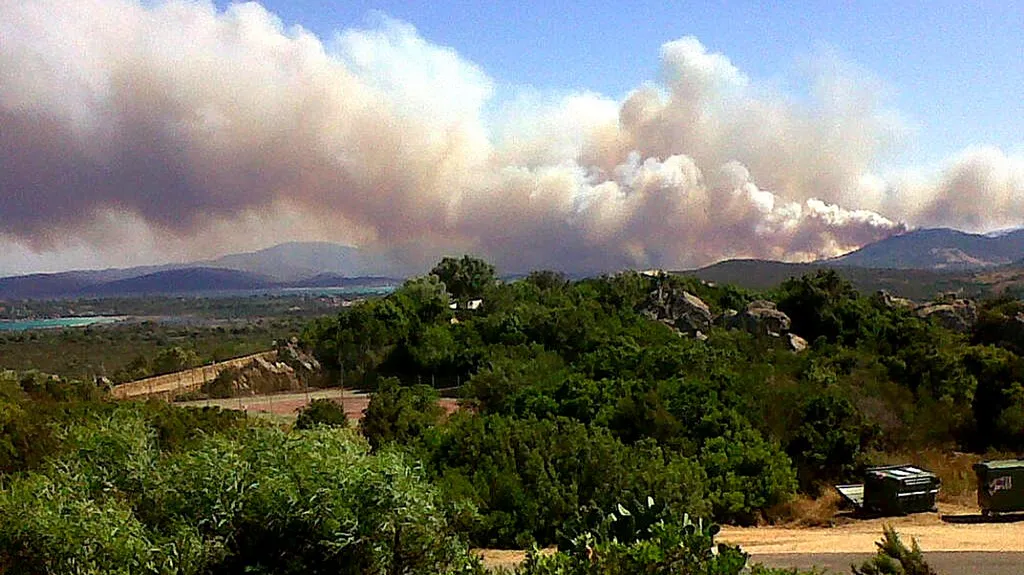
pixel 831 440
pixel 467 277
pixel 826 305
pixel 999 398
pixel 423 298
pixel 548 280
pixel 174 359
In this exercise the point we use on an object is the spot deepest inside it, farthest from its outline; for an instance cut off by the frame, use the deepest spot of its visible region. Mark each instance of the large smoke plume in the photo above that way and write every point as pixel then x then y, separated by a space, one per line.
pixel 177 130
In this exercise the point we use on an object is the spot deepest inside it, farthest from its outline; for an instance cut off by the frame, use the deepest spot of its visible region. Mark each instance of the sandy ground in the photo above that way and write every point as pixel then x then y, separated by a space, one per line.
pixel 955 540
pixel 954 528
pixel 287 404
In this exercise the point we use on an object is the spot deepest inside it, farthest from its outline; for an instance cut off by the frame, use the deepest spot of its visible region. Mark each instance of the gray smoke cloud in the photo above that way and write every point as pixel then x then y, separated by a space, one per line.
pixel 177 131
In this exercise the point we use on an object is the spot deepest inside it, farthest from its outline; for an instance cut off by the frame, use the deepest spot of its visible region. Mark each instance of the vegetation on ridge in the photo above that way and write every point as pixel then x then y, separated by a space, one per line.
pixel 577 403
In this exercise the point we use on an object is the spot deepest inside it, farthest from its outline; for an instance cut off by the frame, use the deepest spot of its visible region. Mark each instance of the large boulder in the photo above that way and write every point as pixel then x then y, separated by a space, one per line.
pixel 761 318
pixel 958 315
pixel 679 309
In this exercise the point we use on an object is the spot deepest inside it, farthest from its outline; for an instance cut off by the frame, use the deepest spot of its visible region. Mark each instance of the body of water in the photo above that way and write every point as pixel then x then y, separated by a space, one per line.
pixel 22 325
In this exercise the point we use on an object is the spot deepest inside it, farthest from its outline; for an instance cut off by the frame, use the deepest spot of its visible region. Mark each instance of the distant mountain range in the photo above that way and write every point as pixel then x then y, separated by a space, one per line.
pixel 918 264
pixel 938 249
pixel 914 264
pixel 296 261
pixel 291 265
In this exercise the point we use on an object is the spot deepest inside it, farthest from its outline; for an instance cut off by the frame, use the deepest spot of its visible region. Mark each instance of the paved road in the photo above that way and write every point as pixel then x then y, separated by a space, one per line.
pixel 945 562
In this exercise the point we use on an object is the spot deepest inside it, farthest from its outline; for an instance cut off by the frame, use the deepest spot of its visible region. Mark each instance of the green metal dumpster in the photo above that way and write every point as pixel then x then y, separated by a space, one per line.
pixel 899 490
pixel 1000 485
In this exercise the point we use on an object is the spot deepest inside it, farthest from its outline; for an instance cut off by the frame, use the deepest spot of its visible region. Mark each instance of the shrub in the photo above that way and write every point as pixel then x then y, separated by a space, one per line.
pixel 830 442
pixel 894 558
pixel 321 412
pixel 529 477
pixel 665 547
pixel 263 502
pixel 400 414
pixel 746 475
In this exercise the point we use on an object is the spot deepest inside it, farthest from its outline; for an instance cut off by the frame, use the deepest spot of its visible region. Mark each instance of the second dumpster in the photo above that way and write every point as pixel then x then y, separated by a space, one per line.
pixel 1000 486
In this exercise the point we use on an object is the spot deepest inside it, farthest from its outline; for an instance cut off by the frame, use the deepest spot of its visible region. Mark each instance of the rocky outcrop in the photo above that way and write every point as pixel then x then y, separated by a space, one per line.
pixel 893 302
pixel 293 356
pixel 958 315
pixel 760 318
pixel 290 369
pixel 679 309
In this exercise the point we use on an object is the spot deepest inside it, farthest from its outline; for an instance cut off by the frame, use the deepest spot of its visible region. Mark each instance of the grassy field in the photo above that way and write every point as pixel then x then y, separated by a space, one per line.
pixel 83 353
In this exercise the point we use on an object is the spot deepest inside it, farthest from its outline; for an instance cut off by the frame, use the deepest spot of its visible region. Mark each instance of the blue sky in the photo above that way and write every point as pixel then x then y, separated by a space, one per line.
pixel 953 70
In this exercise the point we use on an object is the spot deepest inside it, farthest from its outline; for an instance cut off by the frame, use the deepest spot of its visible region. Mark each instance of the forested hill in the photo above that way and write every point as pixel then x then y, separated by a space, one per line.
pixel 919 284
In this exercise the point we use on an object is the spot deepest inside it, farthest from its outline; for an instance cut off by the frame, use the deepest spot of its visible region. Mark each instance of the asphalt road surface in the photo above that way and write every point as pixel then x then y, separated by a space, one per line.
pixel 945 562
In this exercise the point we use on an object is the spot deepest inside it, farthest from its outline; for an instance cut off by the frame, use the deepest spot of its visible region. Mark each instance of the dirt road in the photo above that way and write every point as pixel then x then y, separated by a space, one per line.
pixel 286 404
pixel 956 541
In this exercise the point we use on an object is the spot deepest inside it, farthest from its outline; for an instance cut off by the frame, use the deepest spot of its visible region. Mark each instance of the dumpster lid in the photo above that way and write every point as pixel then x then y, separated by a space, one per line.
pixel 853 493
pixel 899 471
pixel 1002 464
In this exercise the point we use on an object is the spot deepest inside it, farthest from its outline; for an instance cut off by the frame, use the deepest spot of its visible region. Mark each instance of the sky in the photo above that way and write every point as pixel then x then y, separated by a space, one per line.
pixel 590 137
pixel 955 70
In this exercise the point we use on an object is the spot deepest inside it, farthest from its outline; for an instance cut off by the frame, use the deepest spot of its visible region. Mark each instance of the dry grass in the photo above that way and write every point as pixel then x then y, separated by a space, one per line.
pixel 806 511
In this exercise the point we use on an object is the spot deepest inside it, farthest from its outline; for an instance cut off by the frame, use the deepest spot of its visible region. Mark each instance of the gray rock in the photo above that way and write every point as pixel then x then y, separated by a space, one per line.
pixel 761 318
pixel 679 309
pixel 958 315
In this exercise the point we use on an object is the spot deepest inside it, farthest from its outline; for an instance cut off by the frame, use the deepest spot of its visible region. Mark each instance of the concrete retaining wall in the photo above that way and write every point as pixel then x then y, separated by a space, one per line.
pixel 172 385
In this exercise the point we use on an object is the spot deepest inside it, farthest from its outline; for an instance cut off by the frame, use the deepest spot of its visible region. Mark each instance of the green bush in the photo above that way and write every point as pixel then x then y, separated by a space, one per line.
pixel 529 477
pixel 746 475
pixel 321 412
pixel 399 414
pixel 668 546
pixel 265 501
pixel 831 442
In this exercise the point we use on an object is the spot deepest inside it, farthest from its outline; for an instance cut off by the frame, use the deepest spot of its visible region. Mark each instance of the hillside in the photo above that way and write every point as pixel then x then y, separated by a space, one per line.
pixel 937 249
pixel 296 261
pixel 335 280
pixel 911 283
pixel 181 281
pixel 296 264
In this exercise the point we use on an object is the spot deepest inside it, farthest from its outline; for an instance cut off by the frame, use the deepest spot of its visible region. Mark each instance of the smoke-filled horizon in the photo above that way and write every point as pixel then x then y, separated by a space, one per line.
pixel 131 134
